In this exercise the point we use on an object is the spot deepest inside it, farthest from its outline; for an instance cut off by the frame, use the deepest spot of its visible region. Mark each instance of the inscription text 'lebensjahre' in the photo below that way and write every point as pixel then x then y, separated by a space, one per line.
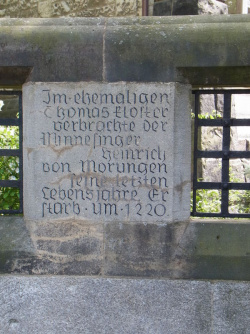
pixel 105 151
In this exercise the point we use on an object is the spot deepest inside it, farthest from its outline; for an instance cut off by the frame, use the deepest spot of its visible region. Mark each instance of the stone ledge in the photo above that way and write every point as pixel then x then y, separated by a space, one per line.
pixel 135 49
pixel 200 249
pixel 106 305
pixel 117 21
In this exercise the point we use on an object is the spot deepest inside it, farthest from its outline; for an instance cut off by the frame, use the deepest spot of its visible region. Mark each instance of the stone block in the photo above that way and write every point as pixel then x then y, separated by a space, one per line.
pixel 45 8
pixel 45 305
pixel 143 250
pixel 58 51
pixel 126 8
pixel 147 50
pixel 136 49
pixel 106 152
pixel 211 7
pixel 231 308
pixel 217 249
pixel 61 247
pixel 15 243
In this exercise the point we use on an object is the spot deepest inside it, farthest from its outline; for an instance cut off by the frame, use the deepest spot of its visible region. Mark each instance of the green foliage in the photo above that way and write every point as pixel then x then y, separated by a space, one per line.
pixel 215 115
pixel 9 137
pixel 207 201
pixel 239 200
pixel 9 167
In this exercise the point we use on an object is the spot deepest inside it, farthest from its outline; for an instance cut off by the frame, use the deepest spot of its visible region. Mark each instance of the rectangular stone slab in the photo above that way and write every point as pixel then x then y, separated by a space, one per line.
pixel 106 152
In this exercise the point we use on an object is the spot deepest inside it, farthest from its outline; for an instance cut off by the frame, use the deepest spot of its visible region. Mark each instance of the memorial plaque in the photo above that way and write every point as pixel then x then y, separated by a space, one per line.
pixel 106 152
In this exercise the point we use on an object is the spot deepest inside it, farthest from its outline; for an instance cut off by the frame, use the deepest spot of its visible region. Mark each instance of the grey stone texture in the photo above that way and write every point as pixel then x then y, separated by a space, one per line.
pixel 70 8
pixel 46 305
pixel 189 7
pixel 231 308
pixel 212 7
pixel 90 152
pixel 84 305
pixel 192 250
pixel 201 50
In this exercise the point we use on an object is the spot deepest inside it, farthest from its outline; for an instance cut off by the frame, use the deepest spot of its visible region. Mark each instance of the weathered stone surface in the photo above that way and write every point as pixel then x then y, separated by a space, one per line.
pixel 189 7
pixel 167 49
pixel 72 247
pixel 149 250
pixel 82 305
pixel 199 249
pixel 174 49
pixel 211 7
pixel 90 152
pixel 15 242
pixel 58 51
pixel 71 8
pixel 186 54
pixel 69 247
pixel 231 308
pixel 218 249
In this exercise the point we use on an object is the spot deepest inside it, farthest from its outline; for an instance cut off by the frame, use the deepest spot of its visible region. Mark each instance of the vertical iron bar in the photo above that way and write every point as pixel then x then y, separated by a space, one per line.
pixel 197 110
pixel 21 152
pixel 225 150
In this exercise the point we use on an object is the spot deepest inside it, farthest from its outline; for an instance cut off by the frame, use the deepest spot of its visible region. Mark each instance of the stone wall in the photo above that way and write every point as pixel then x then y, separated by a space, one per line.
pixel 109 51
pixel 70 8
pixel 75 305
pixel 195 51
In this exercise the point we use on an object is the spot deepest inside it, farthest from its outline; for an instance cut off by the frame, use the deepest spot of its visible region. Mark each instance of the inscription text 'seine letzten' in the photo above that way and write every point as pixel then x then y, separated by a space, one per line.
pixel 101 151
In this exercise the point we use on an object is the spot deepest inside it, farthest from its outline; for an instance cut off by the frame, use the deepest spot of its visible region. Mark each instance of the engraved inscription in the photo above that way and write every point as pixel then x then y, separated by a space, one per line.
pixel 104 151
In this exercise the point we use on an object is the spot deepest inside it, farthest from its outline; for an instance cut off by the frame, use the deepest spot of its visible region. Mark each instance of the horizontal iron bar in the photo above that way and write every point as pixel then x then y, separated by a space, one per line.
pixel 10 183
pixel 240 122
pixel 228 215
pixel 220 154
pixel 209 154
pixel 207 185
pixel 10 121
pixel 221 91
pixel 210 122
pixel 238 186
pixel 220 185
pixel 11 212
pixel 203 214
pixel 10 92
pixel 10 153
pixel 219 122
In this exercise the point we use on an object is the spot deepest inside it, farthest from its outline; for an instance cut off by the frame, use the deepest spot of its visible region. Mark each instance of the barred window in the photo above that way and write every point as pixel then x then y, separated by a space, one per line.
pixel 11 173
pixel 221 161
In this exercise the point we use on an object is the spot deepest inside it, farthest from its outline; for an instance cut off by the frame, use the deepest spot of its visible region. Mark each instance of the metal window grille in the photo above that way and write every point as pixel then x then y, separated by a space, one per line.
pixel 16 183
pixel 226 122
